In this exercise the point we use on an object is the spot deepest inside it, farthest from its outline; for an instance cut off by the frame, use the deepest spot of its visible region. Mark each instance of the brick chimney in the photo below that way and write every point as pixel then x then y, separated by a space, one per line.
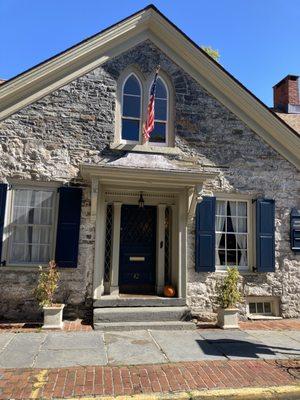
pixel 287 95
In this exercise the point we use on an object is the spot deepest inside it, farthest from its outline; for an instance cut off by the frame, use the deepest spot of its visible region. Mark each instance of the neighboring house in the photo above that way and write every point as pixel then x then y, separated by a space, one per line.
pixel 218 181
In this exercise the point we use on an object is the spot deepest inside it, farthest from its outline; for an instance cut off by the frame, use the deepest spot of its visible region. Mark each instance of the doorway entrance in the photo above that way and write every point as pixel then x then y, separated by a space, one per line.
pixel 137 268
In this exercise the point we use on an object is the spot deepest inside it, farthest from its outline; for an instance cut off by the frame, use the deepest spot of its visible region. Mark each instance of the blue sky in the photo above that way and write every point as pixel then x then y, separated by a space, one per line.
pixel 258 39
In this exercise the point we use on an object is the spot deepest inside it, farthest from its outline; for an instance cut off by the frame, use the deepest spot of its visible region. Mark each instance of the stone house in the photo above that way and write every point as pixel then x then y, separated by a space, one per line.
pixel 216 185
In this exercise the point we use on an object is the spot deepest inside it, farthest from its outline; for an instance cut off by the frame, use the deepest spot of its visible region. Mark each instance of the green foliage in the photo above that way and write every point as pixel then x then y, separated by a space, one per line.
pixel 211 52
pixel 47 285
pixel 229 295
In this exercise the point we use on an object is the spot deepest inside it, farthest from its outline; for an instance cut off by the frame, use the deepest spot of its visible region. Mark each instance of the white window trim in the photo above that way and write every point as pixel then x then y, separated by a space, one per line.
pixel 145 91
pixel 167 122
pixel 263 299
pixel 51 186
pixel 250 231
pixel 124 141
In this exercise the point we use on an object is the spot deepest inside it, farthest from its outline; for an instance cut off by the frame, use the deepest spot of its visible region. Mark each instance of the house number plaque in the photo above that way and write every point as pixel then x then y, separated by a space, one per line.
pixel 136 258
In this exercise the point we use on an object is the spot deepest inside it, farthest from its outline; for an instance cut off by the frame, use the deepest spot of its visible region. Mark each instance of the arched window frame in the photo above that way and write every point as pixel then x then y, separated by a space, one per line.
pixel 145 85
pixel 119 106
pixel 170 140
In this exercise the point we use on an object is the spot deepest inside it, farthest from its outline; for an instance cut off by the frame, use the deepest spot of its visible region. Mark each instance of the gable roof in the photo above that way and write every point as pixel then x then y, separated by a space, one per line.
pixel 150 23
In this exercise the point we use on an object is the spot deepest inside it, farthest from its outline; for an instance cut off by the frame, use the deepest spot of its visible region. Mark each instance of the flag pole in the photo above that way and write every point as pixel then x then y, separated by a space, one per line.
pixel 150 109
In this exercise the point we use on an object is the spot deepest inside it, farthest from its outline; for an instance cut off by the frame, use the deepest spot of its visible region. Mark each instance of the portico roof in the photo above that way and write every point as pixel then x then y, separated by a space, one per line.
pixel 143 169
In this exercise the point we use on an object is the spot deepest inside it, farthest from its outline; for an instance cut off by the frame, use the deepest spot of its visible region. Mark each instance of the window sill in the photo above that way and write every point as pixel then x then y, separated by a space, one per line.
pixel 145 148
pixel 28 268
pixel 263 317
pixel 22 268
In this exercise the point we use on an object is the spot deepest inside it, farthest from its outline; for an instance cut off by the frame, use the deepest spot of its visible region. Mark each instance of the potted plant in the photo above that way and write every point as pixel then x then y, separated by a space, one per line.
pixel 47 286
pixel 228 298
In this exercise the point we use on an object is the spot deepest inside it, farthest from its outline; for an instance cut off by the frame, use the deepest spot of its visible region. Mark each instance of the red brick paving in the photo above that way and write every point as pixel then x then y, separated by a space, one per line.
pixel 69 326
pixel 79 325
pixel 280 325
pixel 129 380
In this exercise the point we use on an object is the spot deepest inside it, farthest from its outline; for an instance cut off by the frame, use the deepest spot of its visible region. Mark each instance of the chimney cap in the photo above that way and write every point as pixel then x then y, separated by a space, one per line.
pixel 289 77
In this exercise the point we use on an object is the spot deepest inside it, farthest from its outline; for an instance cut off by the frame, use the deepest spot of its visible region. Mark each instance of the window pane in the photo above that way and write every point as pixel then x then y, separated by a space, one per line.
pixel 260 309
pixel 46 216
pixel 242 209
pixel 40 235
pixel 222 257
pixel 241 241
pixel 241 225
pixel 221 207
pixel 230 227
pixel 231 241
pixel 130 129
pixel 132 86
pixel 232 207
pixel 252 308
pixel 235 239
pixel 161 91
pixel 242 258
pixel 159 133
pixel 220 224
pixel 161 109
pixel 267 308
pixel 231 258
pixel 220 240
pixel 32 209
pixel 131 106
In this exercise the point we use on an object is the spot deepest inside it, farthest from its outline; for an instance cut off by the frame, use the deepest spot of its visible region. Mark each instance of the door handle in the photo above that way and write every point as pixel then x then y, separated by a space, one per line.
pixel 161 245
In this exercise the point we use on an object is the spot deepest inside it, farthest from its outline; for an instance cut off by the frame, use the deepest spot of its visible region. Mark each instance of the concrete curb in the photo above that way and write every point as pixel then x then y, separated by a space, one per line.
pixel 290 392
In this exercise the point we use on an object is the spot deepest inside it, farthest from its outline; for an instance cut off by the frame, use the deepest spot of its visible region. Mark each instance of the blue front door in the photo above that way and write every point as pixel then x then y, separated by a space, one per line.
pixel 137 249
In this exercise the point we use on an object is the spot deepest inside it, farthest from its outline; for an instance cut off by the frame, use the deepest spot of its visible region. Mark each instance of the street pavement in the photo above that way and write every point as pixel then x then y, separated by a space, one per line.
pixel 67 349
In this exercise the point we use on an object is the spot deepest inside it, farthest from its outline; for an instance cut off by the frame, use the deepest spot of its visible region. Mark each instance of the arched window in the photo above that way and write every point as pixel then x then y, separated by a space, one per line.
pixel 159 134
pixel 131 109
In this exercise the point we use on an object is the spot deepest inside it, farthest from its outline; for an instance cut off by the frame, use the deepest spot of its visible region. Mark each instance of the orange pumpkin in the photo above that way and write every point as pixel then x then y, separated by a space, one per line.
pixel 169 291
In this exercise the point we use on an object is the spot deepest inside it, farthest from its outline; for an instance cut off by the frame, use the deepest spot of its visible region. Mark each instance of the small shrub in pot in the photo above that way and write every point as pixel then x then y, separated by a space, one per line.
pixel 44 292
pixel 228 298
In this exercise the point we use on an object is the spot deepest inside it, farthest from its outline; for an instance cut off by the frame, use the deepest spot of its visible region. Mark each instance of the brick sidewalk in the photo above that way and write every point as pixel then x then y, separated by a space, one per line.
pixel 81 326
pixel 129 380
pixel 69 326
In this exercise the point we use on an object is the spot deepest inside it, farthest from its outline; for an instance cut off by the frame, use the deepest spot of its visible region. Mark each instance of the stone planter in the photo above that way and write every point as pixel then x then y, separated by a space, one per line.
pixel 228 318
pixel 53 316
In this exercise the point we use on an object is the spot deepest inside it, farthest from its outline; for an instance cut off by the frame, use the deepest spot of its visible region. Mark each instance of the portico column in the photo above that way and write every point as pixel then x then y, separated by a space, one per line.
pixel 114 278
pixel 101 206
pixel 160 270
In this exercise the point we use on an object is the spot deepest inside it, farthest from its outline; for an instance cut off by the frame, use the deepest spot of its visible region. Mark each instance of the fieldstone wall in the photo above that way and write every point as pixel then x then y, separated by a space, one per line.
pixel 48 140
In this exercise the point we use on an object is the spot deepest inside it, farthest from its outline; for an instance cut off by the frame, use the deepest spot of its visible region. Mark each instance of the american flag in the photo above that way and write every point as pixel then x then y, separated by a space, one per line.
pixel 149 124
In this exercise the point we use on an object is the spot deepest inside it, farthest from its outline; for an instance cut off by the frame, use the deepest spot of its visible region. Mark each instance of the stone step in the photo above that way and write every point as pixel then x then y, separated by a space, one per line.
pixel 138 301
pixel 141 314
pixel 151 325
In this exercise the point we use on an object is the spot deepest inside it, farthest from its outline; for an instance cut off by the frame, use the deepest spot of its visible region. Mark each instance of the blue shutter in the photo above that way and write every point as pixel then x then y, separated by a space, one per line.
pixel 265 235
pixel 3 191
pixel 205 235
pixel 68 225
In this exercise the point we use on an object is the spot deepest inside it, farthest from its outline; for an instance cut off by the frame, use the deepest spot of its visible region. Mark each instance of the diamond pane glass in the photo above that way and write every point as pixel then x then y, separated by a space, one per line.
pixel 108 242
pixel 168 246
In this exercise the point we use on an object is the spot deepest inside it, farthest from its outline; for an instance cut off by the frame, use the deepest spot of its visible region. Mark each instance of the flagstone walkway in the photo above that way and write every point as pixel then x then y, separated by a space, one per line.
pixel 50 365
pixel 68 349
